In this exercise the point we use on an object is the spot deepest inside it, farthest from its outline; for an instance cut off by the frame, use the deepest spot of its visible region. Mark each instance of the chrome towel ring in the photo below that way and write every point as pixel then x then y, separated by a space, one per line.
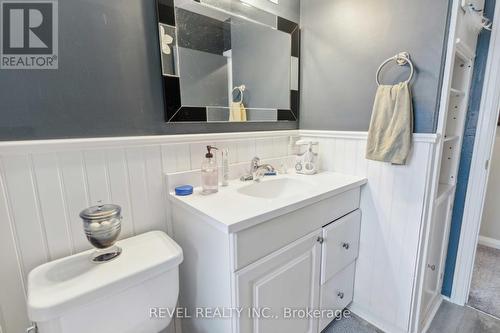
pixel 241 89
pixel 402 59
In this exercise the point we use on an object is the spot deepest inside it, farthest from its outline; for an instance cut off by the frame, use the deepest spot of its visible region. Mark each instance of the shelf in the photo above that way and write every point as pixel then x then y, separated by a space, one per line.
pixel 443 191
pixel 464 51
pixel 449 162
pixel 457 93
pixel 451 138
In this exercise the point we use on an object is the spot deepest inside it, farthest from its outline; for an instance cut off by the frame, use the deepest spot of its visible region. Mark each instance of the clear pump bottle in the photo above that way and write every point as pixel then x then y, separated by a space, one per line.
pixel 209 172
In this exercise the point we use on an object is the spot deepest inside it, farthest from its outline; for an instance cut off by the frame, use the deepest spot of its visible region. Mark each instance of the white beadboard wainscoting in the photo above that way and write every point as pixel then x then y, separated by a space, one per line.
pixel 45 184
pixel 392 204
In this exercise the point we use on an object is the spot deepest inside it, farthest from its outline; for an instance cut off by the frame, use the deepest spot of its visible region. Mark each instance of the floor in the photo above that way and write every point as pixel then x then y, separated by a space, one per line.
pixel 450 318
pixel 353 324
pixel 485 288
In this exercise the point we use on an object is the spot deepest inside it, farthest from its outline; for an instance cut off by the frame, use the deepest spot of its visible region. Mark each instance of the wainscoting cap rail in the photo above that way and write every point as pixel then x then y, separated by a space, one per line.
pixel 417 137
pixel 43 146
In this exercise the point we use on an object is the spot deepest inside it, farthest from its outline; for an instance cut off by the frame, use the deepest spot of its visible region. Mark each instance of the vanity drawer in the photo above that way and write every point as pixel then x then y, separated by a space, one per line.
pixel 341 245
pixel 337 293
pixel 256 242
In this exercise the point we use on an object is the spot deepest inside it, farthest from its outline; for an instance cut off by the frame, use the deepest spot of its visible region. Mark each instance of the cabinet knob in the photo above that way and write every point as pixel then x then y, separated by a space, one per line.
pixel 432 267
pixel 320 240
pixel 340 295
pixel 345 246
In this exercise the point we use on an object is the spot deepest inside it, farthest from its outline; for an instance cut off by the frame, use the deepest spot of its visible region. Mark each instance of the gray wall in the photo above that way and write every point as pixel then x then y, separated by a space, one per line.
pixel 490 225
pixel 108 82
pixel 344 42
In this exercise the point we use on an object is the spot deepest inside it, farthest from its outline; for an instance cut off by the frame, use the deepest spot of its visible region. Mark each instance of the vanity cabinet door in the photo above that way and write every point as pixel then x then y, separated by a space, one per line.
pixel 269 289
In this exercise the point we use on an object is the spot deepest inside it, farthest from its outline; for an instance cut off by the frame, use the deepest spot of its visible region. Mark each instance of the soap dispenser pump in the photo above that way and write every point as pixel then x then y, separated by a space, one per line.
pixel 209 172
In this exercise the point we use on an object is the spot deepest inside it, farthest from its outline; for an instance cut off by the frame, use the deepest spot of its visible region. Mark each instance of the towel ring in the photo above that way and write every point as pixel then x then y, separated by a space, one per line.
pixel 401 59
pixel 241 89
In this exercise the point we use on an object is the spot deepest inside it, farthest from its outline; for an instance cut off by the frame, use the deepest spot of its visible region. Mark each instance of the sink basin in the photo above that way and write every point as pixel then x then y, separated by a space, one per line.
pixel 275 188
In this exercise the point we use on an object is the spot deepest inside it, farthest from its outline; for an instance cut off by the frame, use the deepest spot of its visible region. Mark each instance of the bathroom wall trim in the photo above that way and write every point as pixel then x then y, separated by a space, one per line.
pixel 44 146
pixel 489 242
pixel 417 137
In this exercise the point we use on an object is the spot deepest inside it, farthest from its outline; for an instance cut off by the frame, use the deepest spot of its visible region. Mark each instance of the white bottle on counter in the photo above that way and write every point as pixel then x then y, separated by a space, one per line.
pixel 225 167
pixel 209 173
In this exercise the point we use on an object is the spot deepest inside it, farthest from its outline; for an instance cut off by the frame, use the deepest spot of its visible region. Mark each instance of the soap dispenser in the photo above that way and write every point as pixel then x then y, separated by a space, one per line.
pixel 209 172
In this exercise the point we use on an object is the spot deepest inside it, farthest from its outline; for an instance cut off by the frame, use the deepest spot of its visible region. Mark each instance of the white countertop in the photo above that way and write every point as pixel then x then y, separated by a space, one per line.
pixel 231 211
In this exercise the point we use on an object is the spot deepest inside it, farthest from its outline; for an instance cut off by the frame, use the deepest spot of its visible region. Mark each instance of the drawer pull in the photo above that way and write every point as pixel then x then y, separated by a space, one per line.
pixel 320 240
pixel 432 267
pixel 345 246
pixel 340 295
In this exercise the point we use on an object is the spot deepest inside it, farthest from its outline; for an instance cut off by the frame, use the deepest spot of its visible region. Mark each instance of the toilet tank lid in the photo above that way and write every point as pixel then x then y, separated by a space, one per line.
pixel 63 284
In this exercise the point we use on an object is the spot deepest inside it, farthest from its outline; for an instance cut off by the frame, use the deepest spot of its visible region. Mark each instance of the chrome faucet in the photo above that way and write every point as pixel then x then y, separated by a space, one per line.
pixel 257 171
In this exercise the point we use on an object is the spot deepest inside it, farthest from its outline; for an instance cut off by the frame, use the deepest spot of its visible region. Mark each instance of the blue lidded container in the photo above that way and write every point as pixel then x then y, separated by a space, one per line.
pixel 184 190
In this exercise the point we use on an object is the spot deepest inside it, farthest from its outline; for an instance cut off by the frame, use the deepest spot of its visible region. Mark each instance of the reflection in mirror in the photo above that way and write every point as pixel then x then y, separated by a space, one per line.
pixel 219 66
pixel 168 49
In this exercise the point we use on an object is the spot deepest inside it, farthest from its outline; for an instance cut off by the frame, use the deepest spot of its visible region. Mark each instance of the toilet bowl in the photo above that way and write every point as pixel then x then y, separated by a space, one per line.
pixel 135 293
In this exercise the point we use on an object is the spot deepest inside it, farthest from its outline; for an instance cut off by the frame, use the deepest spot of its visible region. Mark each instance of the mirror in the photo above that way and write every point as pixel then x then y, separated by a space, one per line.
pixel 228 61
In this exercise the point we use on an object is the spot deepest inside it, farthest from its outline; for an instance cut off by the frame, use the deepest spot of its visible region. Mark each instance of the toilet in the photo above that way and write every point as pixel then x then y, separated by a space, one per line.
pixel 134 293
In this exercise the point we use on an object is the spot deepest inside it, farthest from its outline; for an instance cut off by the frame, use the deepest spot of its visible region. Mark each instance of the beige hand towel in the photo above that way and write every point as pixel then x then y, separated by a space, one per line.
pixel 237 112
pixel 391 126
pixel 243 112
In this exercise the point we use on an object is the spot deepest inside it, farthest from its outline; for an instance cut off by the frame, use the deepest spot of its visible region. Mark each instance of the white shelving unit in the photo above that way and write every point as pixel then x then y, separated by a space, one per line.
pixel 453 110
pixel 452 128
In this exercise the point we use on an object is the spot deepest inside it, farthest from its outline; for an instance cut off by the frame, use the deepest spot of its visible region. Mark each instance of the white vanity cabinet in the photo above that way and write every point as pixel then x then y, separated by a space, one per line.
pixel 261 275
pixel 315 272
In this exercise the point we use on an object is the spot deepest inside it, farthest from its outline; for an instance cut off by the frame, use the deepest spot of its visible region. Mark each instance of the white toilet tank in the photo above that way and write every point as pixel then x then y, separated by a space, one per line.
pixel 75 295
